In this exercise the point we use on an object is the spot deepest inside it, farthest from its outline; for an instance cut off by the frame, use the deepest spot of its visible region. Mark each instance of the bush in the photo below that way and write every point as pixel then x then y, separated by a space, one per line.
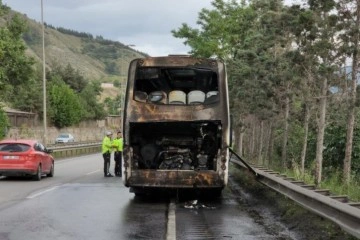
pixel 4 123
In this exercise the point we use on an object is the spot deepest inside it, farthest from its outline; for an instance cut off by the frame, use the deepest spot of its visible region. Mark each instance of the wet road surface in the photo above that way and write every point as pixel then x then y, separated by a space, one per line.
pixel 224 218
pixel 79 203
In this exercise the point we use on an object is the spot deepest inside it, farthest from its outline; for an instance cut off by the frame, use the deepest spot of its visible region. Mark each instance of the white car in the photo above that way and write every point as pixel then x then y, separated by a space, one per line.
pixel 65 138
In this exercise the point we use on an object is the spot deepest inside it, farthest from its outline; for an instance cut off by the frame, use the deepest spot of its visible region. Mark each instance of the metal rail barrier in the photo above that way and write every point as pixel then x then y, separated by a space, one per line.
pixel 337 209
pixel 71 150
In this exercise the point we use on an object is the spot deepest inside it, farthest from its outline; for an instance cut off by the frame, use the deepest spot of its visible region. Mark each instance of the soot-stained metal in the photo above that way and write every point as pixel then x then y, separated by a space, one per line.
pixel 176 123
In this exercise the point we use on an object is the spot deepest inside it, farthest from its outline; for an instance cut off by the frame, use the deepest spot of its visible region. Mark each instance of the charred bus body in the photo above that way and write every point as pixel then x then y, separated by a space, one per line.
pixel 176 124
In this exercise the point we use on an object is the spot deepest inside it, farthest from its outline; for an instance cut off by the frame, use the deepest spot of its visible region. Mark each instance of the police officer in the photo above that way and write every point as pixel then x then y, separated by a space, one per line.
pixel 106 152
pixel 118 148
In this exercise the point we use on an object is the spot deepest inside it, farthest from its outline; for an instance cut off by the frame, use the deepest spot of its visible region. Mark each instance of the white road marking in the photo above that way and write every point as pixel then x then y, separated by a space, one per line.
pixel 93 172
pixel 42 192
pixel 171 223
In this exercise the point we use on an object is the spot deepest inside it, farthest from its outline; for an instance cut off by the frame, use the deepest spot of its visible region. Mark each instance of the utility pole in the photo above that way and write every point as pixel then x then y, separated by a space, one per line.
pixel 44 73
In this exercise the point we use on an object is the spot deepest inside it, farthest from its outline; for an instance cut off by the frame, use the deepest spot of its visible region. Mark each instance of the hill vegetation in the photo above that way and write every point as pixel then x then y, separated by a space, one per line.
pixel 77 64
pixel 94 57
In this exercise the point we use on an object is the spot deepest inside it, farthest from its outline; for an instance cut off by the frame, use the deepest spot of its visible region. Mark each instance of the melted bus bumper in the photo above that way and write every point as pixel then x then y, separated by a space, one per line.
pixel 175 179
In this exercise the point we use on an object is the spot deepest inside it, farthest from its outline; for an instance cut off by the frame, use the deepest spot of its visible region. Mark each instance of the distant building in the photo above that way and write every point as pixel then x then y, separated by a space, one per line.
pixel 107 85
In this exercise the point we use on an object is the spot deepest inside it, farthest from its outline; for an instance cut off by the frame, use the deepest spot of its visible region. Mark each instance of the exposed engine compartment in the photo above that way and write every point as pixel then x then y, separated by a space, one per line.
pixel 175 145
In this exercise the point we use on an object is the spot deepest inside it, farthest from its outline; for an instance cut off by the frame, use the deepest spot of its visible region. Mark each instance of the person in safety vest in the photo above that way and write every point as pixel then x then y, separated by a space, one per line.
pixel 118 148
pixel 106 152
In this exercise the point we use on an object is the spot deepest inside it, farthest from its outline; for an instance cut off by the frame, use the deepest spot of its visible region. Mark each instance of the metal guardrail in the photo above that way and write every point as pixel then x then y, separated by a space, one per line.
pixel 71 150
pixel 337 209
pixel 62 145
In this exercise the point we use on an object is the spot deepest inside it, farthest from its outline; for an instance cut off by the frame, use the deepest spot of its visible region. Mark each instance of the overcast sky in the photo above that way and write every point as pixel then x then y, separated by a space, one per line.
pixel 147 24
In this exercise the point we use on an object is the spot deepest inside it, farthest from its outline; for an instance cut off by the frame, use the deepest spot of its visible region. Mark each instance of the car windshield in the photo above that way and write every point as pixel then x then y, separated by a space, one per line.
pixel 13 147
pixel 64 136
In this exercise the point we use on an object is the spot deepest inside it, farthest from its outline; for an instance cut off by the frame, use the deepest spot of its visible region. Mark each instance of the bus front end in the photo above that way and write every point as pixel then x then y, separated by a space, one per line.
pixel 176 125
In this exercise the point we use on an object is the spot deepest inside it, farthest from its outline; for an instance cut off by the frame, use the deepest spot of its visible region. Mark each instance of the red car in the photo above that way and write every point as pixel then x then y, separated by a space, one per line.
pixel 25 157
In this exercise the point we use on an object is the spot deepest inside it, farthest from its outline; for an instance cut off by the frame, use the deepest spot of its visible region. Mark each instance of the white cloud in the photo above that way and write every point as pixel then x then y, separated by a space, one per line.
pixel 155 44
pixel 147 24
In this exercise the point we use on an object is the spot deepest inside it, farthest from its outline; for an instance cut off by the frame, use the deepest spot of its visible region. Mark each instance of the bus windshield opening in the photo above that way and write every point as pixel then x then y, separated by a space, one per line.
pixel 181 86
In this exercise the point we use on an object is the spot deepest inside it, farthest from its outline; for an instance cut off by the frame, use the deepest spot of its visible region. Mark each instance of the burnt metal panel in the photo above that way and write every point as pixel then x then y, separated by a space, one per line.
pixel 175 179
pixel 175 61
pixel 135 111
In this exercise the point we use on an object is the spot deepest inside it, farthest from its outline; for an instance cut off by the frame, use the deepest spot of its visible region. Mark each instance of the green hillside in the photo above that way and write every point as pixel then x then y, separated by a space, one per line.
pixel 79 70
pixel 94 57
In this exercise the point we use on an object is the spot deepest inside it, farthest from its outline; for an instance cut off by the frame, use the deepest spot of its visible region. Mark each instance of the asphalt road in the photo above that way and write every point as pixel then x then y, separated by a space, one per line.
pixel 79 203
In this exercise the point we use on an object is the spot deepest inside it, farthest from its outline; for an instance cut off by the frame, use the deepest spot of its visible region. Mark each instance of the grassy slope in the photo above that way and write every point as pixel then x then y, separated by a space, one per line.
pixel 63 49
pixel 66 49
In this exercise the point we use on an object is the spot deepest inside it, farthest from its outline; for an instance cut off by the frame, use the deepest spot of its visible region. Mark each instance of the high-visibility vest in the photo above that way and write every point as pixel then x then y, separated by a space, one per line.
pixel 106 145
pixel 118 144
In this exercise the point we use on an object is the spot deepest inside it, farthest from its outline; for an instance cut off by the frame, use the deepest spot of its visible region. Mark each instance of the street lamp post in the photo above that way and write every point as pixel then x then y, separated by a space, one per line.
pixel 44 73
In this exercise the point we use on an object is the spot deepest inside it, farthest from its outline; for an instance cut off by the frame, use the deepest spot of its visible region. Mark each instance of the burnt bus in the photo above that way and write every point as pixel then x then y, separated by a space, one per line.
pixel 176 125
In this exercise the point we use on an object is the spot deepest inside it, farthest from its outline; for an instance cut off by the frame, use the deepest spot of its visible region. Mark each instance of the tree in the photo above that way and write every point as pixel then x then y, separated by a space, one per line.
pixel 15 66
pixel 4 123
pixel 305 65
pixel 324 29
pixel 349 11
pixel 27 97
pixel 92 108
pixel 220 28
pixel 65 105
pixel 70 76
pixel 117 83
